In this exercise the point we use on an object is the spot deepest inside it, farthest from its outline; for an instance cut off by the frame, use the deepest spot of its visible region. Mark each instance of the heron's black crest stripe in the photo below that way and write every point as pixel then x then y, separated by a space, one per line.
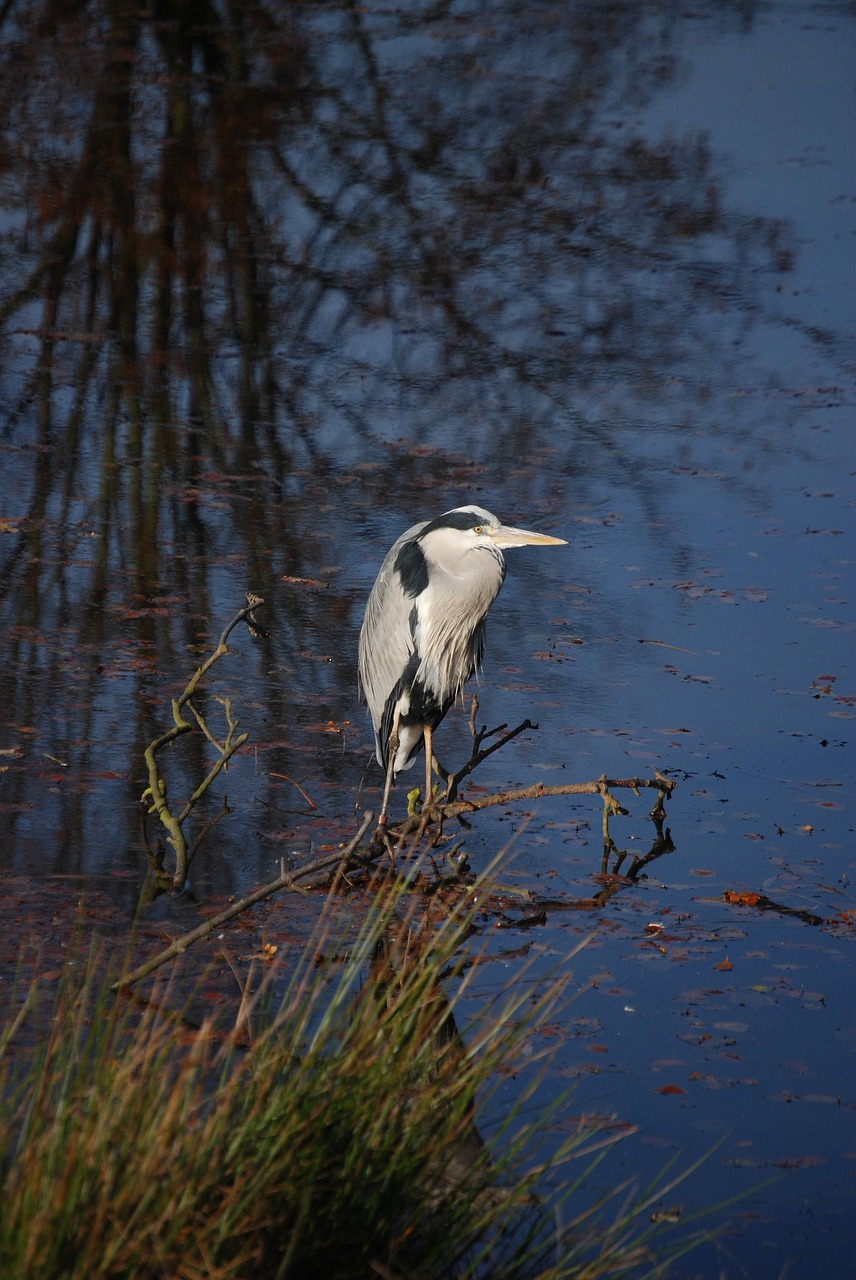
pixel 453 520
pixel 412 568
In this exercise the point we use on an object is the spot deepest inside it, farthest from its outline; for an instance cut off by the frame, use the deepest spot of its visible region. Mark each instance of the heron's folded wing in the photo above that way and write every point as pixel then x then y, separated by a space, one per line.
pixel 386 638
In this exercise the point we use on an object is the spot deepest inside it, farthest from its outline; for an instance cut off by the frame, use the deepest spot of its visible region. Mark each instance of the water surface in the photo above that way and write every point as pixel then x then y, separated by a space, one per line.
pixel 269 295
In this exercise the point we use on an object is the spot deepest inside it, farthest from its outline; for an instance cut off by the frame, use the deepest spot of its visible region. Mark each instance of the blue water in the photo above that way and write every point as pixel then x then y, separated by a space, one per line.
pixel 594 270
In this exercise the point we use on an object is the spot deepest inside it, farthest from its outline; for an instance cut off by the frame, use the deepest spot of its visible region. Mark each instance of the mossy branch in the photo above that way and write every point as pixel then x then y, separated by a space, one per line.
pixel 601 786
pixel 156 793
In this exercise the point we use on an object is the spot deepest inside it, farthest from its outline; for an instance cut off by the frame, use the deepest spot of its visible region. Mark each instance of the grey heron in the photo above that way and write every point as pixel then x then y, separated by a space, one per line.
pixel 424 628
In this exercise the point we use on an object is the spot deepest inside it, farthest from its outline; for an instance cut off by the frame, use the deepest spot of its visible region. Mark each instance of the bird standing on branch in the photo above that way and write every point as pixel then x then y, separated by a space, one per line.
pixel 423 632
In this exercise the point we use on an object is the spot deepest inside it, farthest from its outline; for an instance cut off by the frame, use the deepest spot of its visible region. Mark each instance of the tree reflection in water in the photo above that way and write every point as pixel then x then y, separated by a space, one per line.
pixel 249 248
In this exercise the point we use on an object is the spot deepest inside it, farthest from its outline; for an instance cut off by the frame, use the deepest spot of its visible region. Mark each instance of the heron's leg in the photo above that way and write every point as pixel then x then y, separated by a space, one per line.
pixel 381 822
pixel 443 773
pixel 392 749
pixel 429 757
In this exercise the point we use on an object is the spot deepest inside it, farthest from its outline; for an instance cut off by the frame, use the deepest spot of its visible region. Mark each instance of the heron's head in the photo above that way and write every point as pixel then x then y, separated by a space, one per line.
pixel 476 528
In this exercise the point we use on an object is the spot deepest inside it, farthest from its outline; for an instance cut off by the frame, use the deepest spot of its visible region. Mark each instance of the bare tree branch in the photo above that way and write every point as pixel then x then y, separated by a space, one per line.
pixel 602 786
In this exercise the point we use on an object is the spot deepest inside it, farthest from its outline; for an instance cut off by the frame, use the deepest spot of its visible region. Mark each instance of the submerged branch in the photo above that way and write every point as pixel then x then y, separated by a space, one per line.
pixel 287 880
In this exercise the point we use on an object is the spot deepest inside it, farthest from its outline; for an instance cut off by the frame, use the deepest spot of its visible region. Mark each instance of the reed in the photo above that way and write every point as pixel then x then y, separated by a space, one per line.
pixel 330 1133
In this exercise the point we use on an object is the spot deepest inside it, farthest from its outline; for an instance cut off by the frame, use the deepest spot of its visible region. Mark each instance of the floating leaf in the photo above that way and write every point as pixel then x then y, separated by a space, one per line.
pixel 304 582
pixel 742 898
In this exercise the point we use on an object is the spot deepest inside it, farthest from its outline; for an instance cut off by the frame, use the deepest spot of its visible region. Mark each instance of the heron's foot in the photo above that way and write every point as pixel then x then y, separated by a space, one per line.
pixel 416 804
pixel 440 790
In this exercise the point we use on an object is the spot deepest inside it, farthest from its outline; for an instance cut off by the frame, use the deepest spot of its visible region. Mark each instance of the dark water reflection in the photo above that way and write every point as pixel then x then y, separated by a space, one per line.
pixel 248 255
pixel 276 282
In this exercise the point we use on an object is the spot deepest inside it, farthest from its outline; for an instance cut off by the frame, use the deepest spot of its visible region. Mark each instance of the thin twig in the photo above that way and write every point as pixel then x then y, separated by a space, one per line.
pixel 285 777
pixel 480 754
pixel 157 790
pixel 211 775
pixel 203 725
pixel 200 835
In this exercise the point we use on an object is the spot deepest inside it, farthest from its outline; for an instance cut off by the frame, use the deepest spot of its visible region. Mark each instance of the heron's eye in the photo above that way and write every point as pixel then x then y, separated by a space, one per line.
pixel 477 528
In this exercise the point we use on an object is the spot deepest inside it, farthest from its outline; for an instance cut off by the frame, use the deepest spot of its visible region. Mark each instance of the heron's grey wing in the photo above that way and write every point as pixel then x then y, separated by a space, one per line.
pixel 386 640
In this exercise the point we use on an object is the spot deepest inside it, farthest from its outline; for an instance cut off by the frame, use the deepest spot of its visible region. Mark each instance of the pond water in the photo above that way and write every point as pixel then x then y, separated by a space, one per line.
pixel 270 294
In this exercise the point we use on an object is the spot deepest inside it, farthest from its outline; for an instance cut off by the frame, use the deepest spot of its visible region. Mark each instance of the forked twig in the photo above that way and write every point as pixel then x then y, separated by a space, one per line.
pixel 155 794
pixel 481 753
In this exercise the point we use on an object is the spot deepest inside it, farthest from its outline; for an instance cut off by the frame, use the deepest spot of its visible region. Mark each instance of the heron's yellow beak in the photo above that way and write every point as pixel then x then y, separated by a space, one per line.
pixel 506 536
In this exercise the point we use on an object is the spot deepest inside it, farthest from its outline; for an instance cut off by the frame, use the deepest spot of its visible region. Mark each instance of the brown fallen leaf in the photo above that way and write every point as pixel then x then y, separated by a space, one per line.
pixel 304 582
pixel 724 965
pixel 741 898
